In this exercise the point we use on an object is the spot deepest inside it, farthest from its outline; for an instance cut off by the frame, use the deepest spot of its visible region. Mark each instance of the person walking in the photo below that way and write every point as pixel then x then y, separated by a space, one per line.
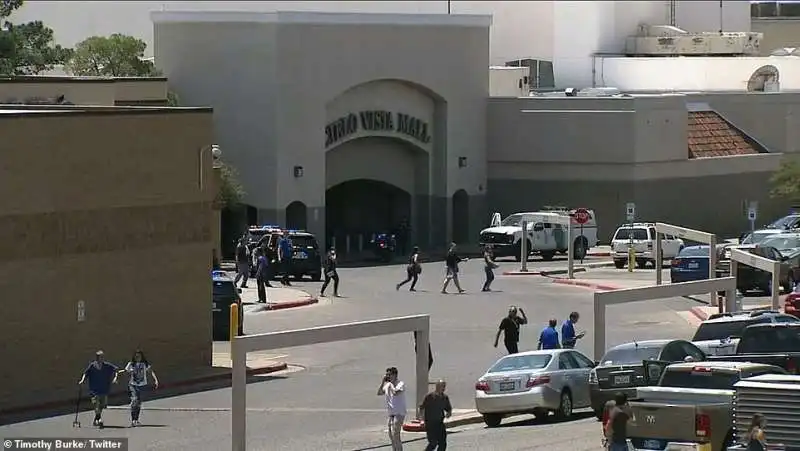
pixel 756 439
pixel 413 270
pixel 330 273
pixel 616 431
pixel 395 392
pixel 489 267
pixel 100 375
pixel 509 327
pixel 568 336
pixel 242 263
pixel 285 255
pixel 262 274
pixel 451 267
pixel 435 408
pixel 548 339
pixel 137 370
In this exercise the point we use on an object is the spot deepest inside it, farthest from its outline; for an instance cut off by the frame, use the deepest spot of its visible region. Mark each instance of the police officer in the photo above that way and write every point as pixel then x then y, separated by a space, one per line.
pixel 285 257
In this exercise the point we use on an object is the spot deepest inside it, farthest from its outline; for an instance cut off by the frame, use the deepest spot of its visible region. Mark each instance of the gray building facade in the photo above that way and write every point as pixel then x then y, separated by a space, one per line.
pixel 348 124
pixel 343 124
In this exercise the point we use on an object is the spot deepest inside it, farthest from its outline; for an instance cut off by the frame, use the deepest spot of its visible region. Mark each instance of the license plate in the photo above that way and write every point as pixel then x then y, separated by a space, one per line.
pixel 506 386
pixel 652 444
pixel 300 255
pixel 622 380
pixel 694 265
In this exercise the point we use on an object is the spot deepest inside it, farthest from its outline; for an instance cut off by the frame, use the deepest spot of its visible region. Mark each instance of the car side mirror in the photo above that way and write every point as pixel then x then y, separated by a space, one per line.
pixel 239 290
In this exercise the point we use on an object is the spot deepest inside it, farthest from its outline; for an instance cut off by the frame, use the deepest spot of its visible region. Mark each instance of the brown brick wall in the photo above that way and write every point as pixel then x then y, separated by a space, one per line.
pixel 107 209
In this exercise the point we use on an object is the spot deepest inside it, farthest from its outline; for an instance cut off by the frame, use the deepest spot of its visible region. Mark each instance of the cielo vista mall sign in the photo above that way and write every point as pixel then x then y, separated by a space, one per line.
pixel 377 121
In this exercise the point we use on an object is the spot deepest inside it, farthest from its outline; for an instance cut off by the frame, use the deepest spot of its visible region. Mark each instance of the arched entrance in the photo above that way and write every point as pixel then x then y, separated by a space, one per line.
pixel 364 207
pixel 461 216
pixel 296 216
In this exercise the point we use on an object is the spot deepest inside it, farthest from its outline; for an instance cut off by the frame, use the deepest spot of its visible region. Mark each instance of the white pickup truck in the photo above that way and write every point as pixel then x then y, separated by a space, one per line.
pixel 546 234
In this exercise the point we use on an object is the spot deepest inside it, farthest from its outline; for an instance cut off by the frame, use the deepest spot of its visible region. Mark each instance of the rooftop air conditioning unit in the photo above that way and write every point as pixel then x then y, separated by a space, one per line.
pixel 665 40
pixel 598 92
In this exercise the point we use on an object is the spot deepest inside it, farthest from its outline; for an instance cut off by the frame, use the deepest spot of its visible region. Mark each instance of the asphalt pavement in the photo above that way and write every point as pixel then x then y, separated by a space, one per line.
pixel 327 400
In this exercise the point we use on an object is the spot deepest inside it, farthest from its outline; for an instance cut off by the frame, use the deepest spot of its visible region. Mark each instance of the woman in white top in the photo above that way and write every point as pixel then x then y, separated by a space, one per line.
pixel 137 369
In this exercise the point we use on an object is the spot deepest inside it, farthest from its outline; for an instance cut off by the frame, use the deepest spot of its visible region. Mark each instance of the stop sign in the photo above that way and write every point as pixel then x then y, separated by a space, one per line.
pixel 582 216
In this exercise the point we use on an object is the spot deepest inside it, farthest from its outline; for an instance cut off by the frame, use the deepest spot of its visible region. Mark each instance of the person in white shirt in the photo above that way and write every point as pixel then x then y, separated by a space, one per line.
pixel 394 390
pixel 137 369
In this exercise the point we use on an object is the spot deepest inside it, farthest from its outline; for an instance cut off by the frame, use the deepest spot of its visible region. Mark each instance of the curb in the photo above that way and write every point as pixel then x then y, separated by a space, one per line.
pixel 184 383
pixel 699 313
pixel 461 420
pixel 541 273
pixel 284 305
pixel 599 254
pixel 590 285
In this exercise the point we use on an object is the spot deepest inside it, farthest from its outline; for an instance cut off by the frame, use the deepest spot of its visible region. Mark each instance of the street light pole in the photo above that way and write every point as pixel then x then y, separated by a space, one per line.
pixel 448 6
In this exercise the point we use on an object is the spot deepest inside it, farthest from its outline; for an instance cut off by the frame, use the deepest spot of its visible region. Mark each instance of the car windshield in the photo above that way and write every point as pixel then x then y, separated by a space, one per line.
pixel 770 339
pixel 785 222
pixel 224 288
pixel 757 237
pixel 515 220
pixel 255 235
pixel 631 355
pixel 521 363
pixel 694 251
pixel 631 234
pixel 782 243
pixel 713 380
pixel 304 241
pixel 724 329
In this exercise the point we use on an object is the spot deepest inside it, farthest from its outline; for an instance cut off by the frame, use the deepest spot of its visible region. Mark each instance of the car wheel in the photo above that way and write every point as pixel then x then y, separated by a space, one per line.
pixel 548 255
pixel 564 411
pixel 492 420
pixel 619 264
pixel 641 264
pixel 316 277
pixel 541 414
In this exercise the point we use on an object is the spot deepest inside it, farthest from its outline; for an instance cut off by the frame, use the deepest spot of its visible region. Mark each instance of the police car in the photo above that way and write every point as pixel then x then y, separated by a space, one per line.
pixel 224 294
pixel 257 234
pixel 306 255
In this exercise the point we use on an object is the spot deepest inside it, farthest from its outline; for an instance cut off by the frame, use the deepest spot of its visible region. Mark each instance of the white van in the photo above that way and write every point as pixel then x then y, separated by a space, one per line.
pixel 546 236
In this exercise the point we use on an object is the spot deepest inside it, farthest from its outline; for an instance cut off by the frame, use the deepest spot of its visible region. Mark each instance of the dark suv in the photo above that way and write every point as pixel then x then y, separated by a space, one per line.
pixel 224 294
pixel 306 258
pixel 720 333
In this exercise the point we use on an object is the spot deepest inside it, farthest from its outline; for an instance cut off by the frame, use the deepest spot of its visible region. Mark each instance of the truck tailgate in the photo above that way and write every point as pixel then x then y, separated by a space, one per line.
pixel 659 421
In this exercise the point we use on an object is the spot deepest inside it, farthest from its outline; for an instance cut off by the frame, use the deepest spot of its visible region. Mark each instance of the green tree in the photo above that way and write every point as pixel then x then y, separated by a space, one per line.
pixel 28 48
pixel 117 55
pixel 231 190
pixel 786 181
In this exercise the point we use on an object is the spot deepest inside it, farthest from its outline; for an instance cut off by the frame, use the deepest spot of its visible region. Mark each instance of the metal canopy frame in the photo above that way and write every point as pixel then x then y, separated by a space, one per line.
pixel 604 299
pixel 241 345
pixel 693 235
pixel 765 264
pixel 563 221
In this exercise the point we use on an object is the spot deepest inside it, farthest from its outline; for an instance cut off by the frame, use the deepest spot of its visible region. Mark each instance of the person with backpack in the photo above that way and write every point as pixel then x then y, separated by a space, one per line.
pixel 451 262
pixel 137 369
pixel 242 263
pixel 330 273
pixel 616 428
pixel 413 270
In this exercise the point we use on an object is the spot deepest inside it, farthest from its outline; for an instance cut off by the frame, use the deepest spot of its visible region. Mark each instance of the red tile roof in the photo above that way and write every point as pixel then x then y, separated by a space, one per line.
pixel 712 136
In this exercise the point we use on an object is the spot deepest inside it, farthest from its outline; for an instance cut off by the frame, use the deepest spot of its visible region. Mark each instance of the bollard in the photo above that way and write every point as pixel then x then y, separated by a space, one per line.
pixel 523 247
pixel 360 243
pixel 234 324
pixel 631 258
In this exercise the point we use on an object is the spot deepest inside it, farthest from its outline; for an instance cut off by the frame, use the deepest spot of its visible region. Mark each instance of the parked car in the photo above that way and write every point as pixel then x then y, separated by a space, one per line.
pixel 692 262
pixel 306 257
pixel 749 278
pixel 622 369
pixel 773 344
pixel 642 236
pixel 788 222
pixel 691 406
pixel 792 303
pixel 720 334
pixel 785 243
pixel 537 382
pixel 758 236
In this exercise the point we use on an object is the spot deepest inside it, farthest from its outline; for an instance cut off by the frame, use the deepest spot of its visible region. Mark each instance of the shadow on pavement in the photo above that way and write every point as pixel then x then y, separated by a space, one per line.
pixel 121 398
pixel 550 419
pixel 405 442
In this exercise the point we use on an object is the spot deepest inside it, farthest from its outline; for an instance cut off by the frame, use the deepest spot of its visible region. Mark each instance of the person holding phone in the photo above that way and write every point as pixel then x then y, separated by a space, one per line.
pixel 568 336
pixel 395 392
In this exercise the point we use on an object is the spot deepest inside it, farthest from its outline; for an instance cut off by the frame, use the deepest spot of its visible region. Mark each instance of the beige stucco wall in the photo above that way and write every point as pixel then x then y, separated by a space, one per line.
pixel 85 90
pixel 778 33
pixel 272 112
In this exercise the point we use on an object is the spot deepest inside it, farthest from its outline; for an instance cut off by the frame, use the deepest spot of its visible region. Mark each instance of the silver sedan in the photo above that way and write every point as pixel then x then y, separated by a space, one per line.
pixel 537 382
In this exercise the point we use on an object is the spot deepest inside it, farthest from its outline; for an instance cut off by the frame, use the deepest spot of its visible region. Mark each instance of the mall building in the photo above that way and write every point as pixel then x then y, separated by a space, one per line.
pixel 348 124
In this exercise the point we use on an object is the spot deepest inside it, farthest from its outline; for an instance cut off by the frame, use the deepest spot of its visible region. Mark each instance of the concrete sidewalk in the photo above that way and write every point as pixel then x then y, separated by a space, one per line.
pixel 559 270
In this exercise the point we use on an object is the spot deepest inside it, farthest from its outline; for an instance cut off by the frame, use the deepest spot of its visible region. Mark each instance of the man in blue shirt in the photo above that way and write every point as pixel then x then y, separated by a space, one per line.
pixel 568 336
pixel 285 254
pixel 100 375
pixel 549 337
